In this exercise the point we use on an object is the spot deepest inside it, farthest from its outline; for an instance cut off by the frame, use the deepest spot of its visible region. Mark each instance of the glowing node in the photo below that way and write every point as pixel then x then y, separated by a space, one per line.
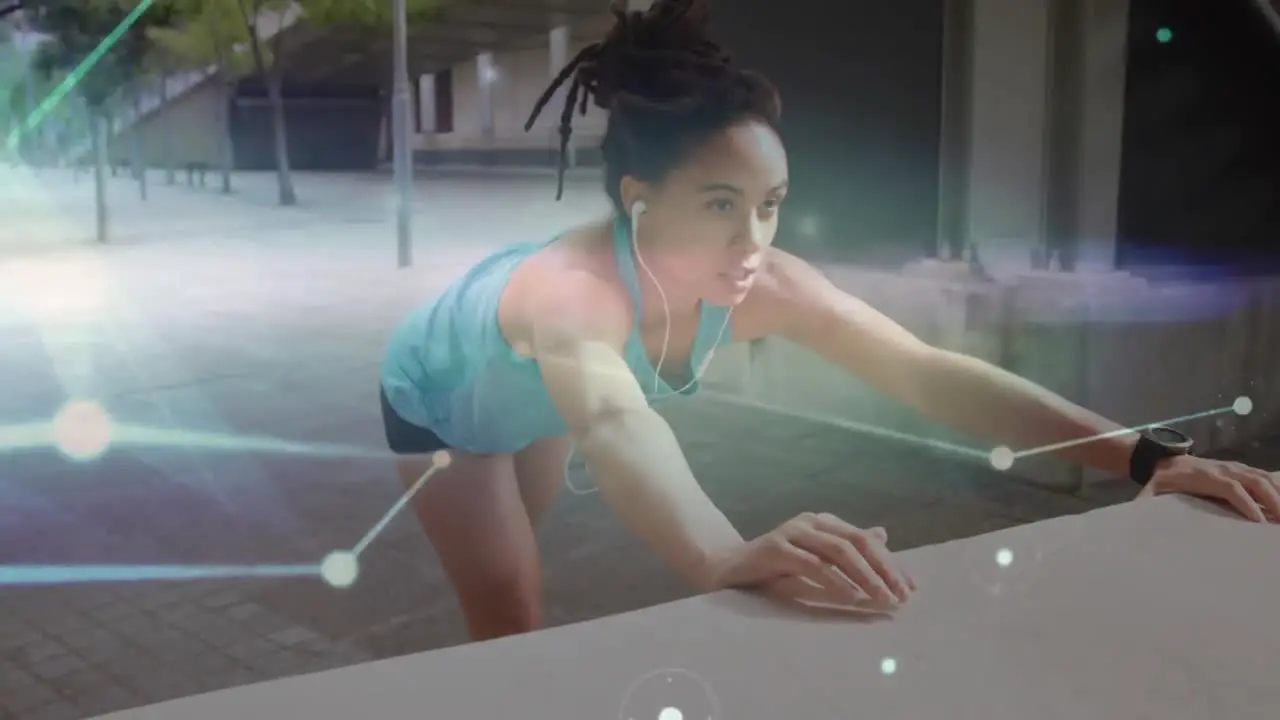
pixel 441 459
pixel 669 694
pixel 1004 557
pixel 888 666
pixel 340 569
pixel 1001 458
pixel 1242 405
pixel 82 430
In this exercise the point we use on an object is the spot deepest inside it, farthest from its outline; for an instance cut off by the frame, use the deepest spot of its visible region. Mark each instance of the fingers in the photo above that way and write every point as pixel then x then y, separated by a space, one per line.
pixel 882 537
pixel 855 553
pixel 871 545
pixel 1239 498
pixel 810 594
pixel 817 578
pixel 1261 486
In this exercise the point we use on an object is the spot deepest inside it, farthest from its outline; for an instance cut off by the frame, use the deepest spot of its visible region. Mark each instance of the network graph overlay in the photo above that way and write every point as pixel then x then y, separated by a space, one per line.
pixel 83 431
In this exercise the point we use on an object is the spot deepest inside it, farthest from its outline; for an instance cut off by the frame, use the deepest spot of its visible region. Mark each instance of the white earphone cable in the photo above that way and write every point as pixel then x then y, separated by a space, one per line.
pixel 636 211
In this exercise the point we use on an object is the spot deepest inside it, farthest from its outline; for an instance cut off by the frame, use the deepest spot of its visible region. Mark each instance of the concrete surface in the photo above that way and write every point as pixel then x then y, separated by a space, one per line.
pixel 228 318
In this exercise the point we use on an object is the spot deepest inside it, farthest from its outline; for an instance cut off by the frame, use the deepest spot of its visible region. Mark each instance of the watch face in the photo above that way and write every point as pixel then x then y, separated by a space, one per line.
pixel 1169 436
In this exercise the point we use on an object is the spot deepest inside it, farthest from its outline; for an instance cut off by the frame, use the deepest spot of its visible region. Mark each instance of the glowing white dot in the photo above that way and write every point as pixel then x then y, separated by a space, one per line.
pixel 670 713
pixel 441 459
pixel 82 430
pixel 1001 458
pixel 1242 405
pixel 340 569
pixel 888 666
pixel 1004 557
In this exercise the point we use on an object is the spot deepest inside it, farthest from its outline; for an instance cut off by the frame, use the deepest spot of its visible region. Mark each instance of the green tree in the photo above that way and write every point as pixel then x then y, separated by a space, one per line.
pixel 100 45
pixel 367 13
pixel 211 33
pixel 269 50
pixel 266 29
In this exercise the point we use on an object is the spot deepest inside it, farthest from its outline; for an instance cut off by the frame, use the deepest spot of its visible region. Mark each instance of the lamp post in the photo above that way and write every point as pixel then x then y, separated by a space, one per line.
pixel 402 139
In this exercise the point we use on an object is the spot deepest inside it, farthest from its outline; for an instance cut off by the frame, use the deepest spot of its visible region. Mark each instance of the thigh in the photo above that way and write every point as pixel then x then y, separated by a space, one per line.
pixel 474 515
pixel 540 472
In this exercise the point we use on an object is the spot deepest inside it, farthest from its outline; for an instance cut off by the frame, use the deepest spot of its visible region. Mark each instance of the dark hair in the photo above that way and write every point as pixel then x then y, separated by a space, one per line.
pixel 668 89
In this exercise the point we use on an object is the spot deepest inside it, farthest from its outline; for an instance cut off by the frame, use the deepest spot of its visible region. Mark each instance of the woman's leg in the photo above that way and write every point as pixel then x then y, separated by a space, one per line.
pixel 540 470
pixel 475 517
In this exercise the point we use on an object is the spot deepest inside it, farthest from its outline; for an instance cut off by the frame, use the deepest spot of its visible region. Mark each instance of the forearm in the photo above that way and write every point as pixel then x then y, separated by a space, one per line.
pixel 644 477
pixel 992 404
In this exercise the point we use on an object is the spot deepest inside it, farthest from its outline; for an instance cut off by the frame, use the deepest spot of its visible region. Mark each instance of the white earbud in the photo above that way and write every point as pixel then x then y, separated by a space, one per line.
pixel 638 208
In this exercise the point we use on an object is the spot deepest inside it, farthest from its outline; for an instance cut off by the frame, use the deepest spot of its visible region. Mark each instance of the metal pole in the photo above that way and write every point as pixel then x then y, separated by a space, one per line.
pixel 402 139
pixel 29 83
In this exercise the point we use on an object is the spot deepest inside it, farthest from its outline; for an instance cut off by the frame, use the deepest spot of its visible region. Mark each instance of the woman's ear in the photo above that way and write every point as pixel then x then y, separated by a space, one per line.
pixel 631 191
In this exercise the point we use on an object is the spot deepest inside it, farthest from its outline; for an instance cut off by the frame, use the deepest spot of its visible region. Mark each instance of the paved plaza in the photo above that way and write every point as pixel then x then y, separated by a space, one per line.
pixel 237 343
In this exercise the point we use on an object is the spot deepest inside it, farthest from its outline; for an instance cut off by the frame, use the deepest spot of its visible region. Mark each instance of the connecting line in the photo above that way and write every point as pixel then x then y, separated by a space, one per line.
pixel 25 436
pixel 29 436
pixel 439 462
pixel 139 435
pixel 73 78
pixel 855 426
pixel 25 575
pixel 1117 433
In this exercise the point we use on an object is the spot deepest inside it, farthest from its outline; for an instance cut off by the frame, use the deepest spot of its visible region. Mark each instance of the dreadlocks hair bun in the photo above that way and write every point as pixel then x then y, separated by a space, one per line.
pixel 668 87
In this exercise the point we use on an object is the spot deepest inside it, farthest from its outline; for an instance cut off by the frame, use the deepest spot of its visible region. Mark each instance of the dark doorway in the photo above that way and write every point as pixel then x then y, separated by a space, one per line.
pixel 1201 174
pixel 444 101
pixel 861 95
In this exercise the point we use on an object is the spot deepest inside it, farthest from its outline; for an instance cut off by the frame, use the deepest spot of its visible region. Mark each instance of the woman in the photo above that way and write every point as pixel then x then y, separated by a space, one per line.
pixel 559 347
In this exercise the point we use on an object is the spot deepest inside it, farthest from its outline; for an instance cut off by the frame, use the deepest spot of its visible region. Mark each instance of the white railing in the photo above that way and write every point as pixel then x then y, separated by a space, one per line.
pixel 173 87
pixel 1134 351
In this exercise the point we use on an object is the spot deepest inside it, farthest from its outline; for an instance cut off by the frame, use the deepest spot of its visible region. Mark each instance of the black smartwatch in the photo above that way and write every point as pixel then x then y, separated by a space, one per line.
pixel 1155 444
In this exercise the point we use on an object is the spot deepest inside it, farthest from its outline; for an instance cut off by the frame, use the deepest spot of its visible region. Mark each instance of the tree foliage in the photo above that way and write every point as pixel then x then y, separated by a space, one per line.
pixel 207 32
pixel 368 13
pixel 76 28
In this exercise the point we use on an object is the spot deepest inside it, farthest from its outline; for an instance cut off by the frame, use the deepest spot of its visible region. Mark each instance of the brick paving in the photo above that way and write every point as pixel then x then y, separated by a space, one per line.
pixel 226 317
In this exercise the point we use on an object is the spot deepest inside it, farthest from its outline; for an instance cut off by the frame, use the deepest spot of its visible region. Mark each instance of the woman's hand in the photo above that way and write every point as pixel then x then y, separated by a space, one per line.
pixel 821 559
pixel 1253 493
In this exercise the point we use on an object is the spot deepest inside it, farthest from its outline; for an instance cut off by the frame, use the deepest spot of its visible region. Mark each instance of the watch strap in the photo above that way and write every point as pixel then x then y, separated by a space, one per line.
pixel 1147 453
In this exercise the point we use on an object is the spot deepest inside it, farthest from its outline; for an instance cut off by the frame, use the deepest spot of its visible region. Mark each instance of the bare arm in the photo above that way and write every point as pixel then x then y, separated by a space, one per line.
pixel 577 330
pixel 962 392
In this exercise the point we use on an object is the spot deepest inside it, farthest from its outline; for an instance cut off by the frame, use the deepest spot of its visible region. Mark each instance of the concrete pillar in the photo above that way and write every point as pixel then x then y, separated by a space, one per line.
pixel 486 77
pixel 1009 83
pixel 1033 126
pixel 427 103
pixel 1103 47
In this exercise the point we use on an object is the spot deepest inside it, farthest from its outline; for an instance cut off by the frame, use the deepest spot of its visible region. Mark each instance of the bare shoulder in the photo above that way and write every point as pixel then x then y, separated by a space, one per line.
pixel 571 285
pixel 787 290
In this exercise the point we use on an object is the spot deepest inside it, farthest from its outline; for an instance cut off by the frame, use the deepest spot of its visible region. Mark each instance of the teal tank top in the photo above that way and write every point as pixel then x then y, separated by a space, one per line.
pixel 449 369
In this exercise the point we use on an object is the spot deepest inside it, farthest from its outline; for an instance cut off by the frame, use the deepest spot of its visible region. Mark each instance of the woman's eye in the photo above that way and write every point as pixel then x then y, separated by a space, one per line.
pixel 720 205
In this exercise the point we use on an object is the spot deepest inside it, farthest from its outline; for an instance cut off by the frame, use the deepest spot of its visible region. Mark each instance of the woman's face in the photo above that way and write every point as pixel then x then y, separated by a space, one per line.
pixel 709 222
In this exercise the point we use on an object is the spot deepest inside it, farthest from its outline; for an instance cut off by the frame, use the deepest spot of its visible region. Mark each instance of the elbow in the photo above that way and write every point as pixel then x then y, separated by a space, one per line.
pixel 612 423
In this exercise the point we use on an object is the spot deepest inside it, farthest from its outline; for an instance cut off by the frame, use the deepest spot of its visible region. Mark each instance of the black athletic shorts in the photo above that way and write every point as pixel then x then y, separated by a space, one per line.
pixel 405 438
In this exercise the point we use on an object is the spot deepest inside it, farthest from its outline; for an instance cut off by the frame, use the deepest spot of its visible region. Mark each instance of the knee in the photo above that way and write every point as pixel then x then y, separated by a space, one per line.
pixel 498 603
